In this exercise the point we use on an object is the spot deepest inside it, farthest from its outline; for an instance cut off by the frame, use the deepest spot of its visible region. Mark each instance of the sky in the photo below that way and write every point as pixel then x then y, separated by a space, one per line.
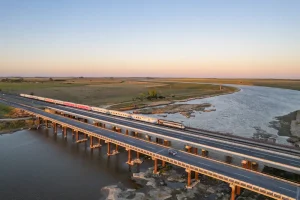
pixel 153 38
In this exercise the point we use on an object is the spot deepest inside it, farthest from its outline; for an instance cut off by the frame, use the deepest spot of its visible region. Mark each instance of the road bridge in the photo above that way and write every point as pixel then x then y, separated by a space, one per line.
pixel 241 152
pixel 235 176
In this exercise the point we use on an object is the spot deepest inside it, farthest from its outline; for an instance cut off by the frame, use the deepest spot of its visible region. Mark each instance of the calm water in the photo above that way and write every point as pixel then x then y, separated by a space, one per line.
pixel 37 165
pixel 241 112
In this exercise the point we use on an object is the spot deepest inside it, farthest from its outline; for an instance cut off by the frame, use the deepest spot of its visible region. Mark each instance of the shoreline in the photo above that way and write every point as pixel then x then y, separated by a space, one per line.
pixel 170 183
pixel 288 125
pixel 172 101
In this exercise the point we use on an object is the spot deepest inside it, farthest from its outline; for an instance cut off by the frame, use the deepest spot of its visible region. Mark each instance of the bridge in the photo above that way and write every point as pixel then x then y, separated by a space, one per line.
pixel 237 177
pixel 249 153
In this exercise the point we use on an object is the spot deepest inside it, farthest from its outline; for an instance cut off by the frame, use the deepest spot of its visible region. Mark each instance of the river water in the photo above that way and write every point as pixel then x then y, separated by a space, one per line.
pixel 38 165
pixel 241 112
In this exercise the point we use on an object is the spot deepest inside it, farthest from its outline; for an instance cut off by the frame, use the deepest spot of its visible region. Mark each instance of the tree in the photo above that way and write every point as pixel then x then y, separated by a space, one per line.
pixel 50 79
pixel 31 93
pixel 152 94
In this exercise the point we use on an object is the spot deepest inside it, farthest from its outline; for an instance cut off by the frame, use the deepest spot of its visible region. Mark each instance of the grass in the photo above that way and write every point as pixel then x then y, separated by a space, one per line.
pixel 14 125
pixel 109 91
pixel 277 83
pixel 4 110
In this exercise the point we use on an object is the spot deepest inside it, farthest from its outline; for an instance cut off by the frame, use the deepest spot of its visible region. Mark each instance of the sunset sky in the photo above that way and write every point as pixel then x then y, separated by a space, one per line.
pixel 256 39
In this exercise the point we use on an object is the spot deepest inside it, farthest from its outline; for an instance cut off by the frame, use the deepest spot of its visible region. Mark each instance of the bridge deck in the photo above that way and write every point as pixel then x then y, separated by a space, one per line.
pixel 246 179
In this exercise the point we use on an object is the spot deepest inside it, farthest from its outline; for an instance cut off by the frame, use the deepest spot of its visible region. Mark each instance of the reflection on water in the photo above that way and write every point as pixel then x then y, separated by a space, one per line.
pixel 241 112
pixel 38 165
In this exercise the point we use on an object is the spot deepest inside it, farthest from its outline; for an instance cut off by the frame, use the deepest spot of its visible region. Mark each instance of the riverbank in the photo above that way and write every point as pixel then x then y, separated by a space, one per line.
pixel 184 109
pixel 170 184
pixel 7 127
pixel 170 100
pixel 289 125
pixel 13 119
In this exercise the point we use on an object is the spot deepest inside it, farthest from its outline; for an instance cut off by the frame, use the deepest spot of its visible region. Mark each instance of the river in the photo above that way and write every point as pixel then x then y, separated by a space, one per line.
pixel 241 112
pixel 39 165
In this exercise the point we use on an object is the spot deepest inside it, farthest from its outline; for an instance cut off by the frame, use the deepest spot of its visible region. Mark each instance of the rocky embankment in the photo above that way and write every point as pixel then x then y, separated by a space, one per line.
pixel 170 185
pixel 289 125
pixel 184 109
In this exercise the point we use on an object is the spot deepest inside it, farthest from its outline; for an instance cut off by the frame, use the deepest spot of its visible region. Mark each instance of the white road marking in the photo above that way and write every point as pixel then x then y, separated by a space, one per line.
pixel 287 189
pixel 243 175
pixel 160 150
pixel 204 164
pixel 150 147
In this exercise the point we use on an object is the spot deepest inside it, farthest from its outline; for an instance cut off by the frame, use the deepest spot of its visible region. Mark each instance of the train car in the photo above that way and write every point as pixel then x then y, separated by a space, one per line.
pixel 69 104
pixel 41 98
pixel 34 97
pixel 22 95
pixel 120 114
pixel 84 107
pixel 59 102
pixel 101 110
pixel 49 100
pixel 171 124
pixel 144 118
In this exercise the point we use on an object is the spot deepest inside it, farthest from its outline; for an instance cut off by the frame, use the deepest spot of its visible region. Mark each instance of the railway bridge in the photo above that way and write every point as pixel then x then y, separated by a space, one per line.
pixel 237 177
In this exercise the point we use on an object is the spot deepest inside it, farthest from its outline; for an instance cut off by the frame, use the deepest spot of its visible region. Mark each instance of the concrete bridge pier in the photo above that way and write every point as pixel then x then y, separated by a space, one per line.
pixel 155 166
pixel 65 132
pixel 188 148
pixel 148 137
pixel 163 163
pixel 129 161
pixel 76 135
pixel 204 153
pixel 189 176
pixel 108 148
pixel 54 128
pixel 126 133
pixel 235 190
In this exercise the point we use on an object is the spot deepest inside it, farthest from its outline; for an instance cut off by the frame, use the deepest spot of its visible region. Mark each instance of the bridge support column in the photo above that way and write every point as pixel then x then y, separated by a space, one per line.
pixel 129 157
pixel 65 132
pixel 77 135
pixel 196 151
pixel 233 191
pixel 38 122
pixel 189 148
pixel 204 153
pixel 91 141
pixel 103 125
pixel 46 123
pixel 189 174
pixel 117 148
pixel 138 155
pixel 126 132
pixel 54 128
pixel 155 165
pixel 196 176
pixel 163 163
pixel 108 148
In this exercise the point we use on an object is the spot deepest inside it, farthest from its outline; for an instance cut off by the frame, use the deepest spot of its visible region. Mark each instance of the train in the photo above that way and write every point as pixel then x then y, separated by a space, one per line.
pixel 110 112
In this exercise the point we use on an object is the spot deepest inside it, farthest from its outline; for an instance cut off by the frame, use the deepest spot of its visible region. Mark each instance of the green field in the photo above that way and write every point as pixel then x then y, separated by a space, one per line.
pixel 119 92
pixel 278 83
